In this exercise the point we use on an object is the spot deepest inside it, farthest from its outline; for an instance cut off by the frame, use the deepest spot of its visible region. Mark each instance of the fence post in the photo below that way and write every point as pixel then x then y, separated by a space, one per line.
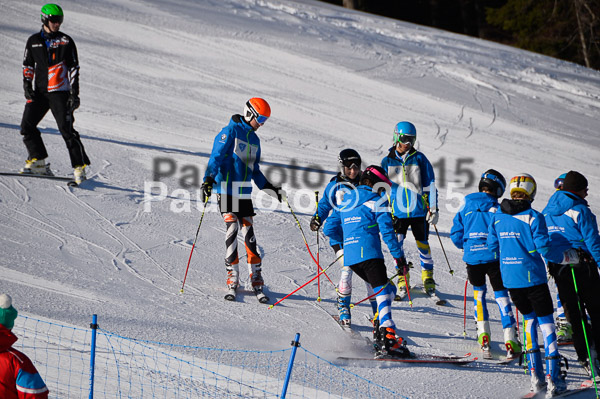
pixel 94 327
pixel 295 344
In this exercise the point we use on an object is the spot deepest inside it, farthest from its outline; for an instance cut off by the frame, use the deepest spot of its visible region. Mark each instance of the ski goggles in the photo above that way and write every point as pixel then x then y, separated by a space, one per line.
pixel 351 163
pixel 57 19
pixel 558 183
pixel 404 139
pixel 261 119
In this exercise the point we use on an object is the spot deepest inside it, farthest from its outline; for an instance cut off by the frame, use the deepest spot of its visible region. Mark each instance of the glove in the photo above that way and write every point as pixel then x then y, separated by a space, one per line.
pixel 207 188
pixel 73 102
pixel 402 266
pixel 585 258
pixel 570 257
pixel 432 216
pixel 315 223
pixel 397 223
pixel 28 88
pixel 273 191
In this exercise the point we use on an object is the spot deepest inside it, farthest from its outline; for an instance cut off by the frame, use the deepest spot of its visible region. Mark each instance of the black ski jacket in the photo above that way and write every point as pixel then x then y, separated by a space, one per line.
pixel 52 60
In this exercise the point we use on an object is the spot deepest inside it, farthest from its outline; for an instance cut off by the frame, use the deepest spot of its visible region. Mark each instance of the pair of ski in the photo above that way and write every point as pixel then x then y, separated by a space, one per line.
pixel 414 358
pixel 258 291
pixel 402 294
pixel 585 386
pixel 69 180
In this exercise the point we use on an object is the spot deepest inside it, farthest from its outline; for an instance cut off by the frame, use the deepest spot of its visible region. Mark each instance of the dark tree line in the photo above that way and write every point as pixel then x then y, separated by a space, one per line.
pixel 565 29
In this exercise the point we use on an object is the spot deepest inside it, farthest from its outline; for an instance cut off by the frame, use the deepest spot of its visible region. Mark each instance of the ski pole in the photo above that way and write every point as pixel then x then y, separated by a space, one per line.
pixel 443 250
pixel 465 311
pixel 308 282
pixel 318 264
pixel 193 245
pixel 583 317
pixel 407 289
pixel 304 237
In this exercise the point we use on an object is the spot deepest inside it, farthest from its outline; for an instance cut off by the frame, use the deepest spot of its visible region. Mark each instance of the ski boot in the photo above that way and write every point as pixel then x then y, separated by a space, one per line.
pixel 79 174
pixel 343 305
pixel 513 347
pixel 536 369
pixel 428 282
pixel 555 378
pixel 36 167
pixel 392 346
pixel 232 281
pixel 585 364
pixel 564 331
pixel 483 338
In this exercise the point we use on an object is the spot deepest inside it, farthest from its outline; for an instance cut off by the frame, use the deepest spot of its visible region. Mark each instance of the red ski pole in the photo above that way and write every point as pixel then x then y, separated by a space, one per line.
pixel 308 282
pixel 318 264
pixel 193 245
pixel 465 310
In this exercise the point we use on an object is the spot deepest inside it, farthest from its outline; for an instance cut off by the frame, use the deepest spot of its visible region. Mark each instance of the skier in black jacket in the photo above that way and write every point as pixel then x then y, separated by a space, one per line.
pixel 51 61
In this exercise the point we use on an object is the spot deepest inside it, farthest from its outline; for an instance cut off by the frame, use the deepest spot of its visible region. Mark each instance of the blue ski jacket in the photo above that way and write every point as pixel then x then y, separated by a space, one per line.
pixel 571 224
pixel 359 223
pixel 470 228
pixel 333 197
pixel 414 183
pixel 234 160
pixel 519 235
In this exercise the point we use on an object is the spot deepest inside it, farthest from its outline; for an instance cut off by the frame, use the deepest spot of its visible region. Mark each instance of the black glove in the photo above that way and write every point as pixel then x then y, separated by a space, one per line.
pixel 73 102
pixel 585 259
pixel 28 88
pixel 315 223
pixel 207 188
pixel 402 266
pixel 273 191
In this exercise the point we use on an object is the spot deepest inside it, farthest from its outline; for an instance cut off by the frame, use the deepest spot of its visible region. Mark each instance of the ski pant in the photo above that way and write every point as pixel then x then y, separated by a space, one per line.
pixel 420 230
pixel 32 137
pixel 535 303
pixel 476 274
pixel 588 287
pixel 374 272
pixel 233 222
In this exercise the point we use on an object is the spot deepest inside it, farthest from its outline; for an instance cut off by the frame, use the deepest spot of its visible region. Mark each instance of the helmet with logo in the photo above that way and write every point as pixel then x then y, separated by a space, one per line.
pixel 524 183
pixel 560 180
pixel 493 181
pixel 257 108
pixel 375 174
pixel 405 133
pixel 52 13
pixel 348 158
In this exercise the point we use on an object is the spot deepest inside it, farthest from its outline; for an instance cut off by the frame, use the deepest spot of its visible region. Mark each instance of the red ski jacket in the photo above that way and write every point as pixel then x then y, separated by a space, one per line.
pixel 18 377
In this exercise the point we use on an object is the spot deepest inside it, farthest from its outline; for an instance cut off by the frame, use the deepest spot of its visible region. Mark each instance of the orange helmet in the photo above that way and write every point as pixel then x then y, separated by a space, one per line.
pixel 257 108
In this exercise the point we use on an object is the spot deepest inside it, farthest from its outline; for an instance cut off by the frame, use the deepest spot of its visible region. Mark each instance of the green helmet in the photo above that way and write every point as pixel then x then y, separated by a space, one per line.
pixel 52 12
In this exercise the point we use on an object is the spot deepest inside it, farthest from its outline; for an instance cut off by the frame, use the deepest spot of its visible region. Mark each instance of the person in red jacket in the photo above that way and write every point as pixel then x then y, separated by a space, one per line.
pixel 19 378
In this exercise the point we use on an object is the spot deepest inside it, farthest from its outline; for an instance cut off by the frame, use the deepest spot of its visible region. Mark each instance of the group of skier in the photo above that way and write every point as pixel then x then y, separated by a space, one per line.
pixel 509 241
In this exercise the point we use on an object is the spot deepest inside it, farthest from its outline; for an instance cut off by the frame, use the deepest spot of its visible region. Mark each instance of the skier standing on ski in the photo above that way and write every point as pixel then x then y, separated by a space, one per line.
pixel 347 179
pixel 413 199
pixel 19 378
pixel 358 225
pixel 519 235
pixel 469 233
pixel 571 224
pixel 234 162
pixel 51 61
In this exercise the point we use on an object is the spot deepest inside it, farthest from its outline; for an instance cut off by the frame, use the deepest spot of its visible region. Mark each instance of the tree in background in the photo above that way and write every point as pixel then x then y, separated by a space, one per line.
pixel 566 29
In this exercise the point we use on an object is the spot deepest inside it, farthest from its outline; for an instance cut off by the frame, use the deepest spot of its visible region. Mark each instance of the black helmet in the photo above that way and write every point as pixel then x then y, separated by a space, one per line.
pixel 494 181
pixel 348 158
pixel 376 174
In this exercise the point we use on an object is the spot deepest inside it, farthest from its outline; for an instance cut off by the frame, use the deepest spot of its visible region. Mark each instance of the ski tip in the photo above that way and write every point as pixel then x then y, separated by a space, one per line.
pixel 72 184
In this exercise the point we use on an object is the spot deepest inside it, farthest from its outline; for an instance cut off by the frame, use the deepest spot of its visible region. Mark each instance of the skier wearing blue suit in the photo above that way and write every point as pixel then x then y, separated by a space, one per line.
pixel 469 232
pixel 413 198
pixel 520 237
pixel 233 165
pixel 358 225
pixel 348 177
pixel 571 224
